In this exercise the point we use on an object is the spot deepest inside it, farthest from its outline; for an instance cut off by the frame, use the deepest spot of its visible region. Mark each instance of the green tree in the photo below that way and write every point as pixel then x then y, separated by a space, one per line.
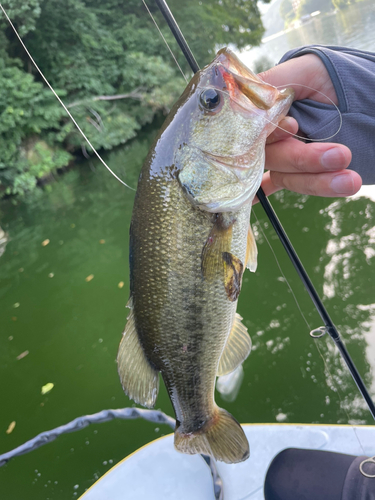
pixel 308 6
pixel 110 66
pixel 286 11
pixel 341 4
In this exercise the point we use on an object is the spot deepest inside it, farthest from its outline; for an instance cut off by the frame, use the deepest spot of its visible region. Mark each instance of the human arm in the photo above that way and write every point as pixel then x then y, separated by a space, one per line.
pixel 349 82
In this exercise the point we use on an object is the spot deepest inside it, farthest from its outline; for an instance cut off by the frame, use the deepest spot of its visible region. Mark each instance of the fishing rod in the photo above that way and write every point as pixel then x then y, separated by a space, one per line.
pixel 329 326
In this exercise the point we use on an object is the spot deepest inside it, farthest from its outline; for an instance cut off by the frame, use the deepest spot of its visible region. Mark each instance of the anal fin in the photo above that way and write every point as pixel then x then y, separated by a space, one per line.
pixel 139 379
pixel 236 349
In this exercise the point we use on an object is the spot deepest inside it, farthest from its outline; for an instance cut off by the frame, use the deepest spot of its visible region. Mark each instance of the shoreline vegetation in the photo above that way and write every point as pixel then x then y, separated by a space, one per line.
pixel 297 12
pixel 109 66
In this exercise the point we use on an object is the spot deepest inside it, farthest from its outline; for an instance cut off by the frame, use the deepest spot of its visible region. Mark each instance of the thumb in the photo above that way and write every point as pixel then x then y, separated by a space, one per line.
pixel 306 75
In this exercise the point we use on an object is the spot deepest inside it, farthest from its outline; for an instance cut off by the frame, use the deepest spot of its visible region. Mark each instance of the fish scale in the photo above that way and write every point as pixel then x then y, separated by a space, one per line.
pixel 190 242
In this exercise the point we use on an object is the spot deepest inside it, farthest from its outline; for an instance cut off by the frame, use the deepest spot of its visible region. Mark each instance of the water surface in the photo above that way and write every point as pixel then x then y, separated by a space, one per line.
pixel 71 327
pixel 350 27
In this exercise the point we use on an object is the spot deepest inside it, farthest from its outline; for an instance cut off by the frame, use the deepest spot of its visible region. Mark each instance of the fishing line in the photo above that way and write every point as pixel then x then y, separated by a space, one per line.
pixel 166 43
pixel 337 390
pixel 314 90
pixel 60 101
pixel 333 104
pixel 282 272
pixel 262 198
pixel 329 326
pixel 263 113
pixel 316 343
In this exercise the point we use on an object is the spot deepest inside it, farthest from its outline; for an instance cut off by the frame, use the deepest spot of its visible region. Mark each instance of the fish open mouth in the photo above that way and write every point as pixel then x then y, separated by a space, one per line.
pixel 244 87
pixel 224 164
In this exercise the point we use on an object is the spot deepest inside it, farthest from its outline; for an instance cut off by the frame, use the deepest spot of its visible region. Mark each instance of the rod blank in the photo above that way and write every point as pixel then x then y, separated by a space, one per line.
pixel 331 329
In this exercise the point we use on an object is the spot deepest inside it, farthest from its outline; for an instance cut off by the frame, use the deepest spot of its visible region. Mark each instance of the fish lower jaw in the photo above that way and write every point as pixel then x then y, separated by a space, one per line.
pixel 231 205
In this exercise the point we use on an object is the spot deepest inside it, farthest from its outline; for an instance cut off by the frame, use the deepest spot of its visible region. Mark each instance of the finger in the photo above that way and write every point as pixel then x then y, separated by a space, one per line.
pixel 267 186
pixel 286 127
pixel 341 183
pixel 322 185
pixel 294 156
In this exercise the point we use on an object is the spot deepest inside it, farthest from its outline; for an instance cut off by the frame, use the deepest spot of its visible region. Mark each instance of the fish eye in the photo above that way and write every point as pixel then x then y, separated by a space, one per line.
pixel 210 99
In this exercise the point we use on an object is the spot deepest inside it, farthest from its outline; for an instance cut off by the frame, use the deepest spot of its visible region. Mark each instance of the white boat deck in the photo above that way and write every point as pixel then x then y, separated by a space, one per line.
pixel 158 472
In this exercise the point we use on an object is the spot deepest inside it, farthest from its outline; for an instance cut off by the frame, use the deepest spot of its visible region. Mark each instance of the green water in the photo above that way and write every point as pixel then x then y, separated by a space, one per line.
pixel 71 327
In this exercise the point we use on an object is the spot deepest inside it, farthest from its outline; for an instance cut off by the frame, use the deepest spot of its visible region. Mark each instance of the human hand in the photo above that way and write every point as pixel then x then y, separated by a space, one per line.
pixel 316 168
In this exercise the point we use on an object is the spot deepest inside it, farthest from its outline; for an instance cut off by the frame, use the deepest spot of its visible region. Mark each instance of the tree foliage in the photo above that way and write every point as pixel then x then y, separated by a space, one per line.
pixel 109 65
pixel 309 6
pixel 341 4
pixel 306 7
pixel 286 11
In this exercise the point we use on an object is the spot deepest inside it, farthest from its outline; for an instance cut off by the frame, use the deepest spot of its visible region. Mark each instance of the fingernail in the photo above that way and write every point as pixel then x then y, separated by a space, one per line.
pixel 288 120
pixel 287 123
pixel 333 159
pixel 342 184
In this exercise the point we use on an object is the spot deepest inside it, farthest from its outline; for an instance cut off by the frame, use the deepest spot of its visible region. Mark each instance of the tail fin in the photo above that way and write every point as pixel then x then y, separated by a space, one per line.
pixel 222 438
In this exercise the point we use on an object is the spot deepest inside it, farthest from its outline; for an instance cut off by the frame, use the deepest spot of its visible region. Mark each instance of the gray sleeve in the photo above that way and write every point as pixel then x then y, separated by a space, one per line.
pixel 353 75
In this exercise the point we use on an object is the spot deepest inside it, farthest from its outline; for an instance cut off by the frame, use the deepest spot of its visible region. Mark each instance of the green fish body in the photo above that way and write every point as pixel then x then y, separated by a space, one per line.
pixel 190 241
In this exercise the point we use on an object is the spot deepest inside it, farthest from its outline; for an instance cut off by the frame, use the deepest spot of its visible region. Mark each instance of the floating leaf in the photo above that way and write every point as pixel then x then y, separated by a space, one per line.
pixel 102 242
pixel 121 284
pixel 14 318
pixel 72 225
pixel 89 278
pixel 45 243
pixel 22 355
pixel 47 388
pixel 51 275
pixel 17 304
pixel 21 270
pixel 11 427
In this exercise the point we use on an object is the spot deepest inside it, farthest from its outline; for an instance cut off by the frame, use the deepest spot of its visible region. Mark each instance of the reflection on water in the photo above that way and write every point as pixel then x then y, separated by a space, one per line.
pixel 348 253
pixel 71 326
pixel 346 256
pixel 350 27
pixel 369 334
pixel 3 241
pixel 229 385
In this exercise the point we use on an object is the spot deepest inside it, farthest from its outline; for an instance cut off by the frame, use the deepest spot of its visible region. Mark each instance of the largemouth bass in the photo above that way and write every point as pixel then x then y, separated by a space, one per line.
pixel 190 241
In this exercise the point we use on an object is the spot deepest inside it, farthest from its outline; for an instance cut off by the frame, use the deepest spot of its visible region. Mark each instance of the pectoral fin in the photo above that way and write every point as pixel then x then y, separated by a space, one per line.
pixel 139 379
pixel 219 240
pixel 236 349
pixel 251 251
pixel 233 271
pixel 217 260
